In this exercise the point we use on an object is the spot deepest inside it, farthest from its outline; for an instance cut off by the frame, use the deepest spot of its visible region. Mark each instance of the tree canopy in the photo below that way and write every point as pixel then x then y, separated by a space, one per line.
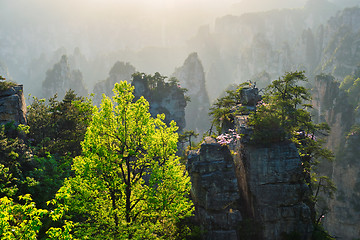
pixel 128 182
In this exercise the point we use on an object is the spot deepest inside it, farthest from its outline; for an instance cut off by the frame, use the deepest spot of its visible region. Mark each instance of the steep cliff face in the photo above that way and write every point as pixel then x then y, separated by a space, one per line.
pixel 343 219
pixel 275 190
pixel 12 105
pixel 333 106
pixel 165 98
pixel 119 72
pixel 192 77
pixel 62 78
pixel 214 191
pixel 258 192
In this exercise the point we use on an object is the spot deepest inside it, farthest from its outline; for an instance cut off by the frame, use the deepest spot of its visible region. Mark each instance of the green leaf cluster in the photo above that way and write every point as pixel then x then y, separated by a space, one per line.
pixel 223 110
pixel 283 111
pixel 56 129
pixel 15 163
pixel 20 220
pixel 59 127
pixel 186 137
pixel 128 183
pixel 158 86
pixel 5 85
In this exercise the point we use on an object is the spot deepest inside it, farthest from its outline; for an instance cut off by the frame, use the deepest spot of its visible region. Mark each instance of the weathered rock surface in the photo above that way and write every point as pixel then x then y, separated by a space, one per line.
pixel 214 191
pixel 12 106
pixel 343 219
pixel 259 192
pixel 192 77
pixel 275 190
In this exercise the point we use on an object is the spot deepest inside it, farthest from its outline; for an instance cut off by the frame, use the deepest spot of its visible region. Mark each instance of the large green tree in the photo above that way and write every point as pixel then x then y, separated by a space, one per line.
pixel 128 183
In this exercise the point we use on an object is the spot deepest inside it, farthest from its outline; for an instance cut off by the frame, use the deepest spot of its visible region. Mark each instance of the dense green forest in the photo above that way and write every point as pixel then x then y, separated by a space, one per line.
pixel 76 171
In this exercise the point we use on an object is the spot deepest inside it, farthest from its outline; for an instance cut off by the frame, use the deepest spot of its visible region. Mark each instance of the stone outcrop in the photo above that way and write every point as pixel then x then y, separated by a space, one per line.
pixel 12 105
pixel 214 190
pixel 258 192
pixel 332 105
pixel 165 98
pixel 192 77
pixel 343 218
pixel 274 190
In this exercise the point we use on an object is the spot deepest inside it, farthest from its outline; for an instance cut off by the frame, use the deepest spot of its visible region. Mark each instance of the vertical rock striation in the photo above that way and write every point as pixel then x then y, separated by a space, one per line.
pixel 332 105
pixel 12 105
pixel 214 190
pixel 274 190
pixel 259 192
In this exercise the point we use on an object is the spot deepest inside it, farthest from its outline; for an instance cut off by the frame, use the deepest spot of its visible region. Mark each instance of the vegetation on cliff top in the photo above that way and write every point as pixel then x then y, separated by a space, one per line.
pixel 5 85
pixel 283 116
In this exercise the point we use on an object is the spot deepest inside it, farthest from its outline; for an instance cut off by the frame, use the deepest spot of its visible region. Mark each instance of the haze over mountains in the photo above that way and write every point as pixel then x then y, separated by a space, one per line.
pixel 154 37
pixel 209 46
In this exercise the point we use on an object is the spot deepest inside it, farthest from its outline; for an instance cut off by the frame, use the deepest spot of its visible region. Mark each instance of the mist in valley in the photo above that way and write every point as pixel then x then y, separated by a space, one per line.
pixel 154 36
pixel 209 46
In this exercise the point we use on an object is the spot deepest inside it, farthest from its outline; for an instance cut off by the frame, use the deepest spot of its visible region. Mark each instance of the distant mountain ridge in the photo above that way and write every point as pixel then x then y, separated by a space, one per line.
pixel 278 41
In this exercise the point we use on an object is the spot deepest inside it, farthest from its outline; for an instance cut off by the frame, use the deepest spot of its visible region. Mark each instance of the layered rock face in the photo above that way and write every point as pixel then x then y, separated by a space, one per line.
pixel 259 192
pixel 275 190
pixel 332 106
pixel 215 190
pixel 192 77
pixel 12 106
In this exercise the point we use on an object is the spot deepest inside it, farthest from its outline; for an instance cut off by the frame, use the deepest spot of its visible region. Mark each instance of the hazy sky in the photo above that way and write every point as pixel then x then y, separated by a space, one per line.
pixel 139 23
pixel 177 19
